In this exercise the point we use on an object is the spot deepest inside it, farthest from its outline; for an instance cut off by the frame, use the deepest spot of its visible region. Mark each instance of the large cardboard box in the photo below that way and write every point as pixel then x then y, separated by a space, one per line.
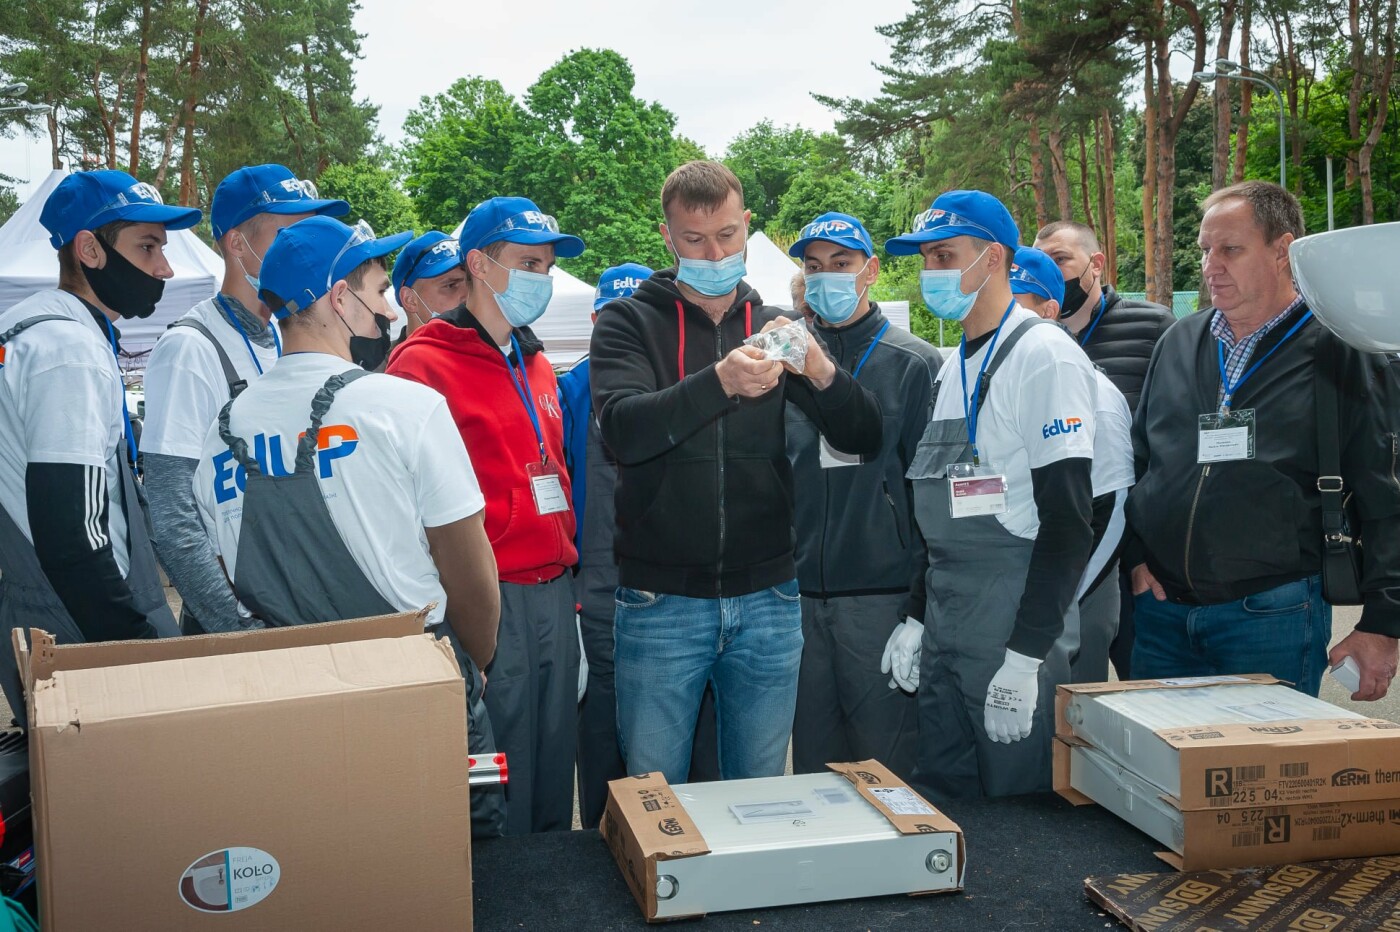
pixel 299 778
pixel 698 848
pixel 1272 788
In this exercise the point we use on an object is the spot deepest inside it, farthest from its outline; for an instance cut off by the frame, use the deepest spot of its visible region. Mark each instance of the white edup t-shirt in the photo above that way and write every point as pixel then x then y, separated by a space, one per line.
pixel 390 463
pixel 1039 410
pixel 61 396
pixel 1113 441
pixel 185 383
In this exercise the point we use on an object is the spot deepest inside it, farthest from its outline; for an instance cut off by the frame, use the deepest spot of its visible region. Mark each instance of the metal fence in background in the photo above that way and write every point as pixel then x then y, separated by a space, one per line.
pixel 1183 302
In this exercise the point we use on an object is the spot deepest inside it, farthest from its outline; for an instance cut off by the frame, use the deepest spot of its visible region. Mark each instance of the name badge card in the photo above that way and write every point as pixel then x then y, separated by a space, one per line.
pixel 974 491
pixel 548 488
pixel 832 458
pixel 1226 436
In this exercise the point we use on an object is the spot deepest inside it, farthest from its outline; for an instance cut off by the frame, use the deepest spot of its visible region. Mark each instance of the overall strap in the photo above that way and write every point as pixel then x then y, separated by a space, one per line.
pixel 320 404
pixel 25 324
pixel 236 384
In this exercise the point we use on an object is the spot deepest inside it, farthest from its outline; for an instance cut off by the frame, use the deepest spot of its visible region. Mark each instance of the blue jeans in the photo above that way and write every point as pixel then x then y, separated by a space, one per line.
pixel 1283 632
pixel 667 647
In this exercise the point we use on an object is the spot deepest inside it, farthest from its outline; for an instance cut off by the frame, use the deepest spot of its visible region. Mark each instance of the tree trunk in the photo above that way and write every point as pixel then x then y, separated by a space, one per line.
pixel 1084 183
pixel 138 101
pixel 1288 57
pixel 187 194
pixel 167 148
pixel 1042 214
pixel 52 119
pixel 1055 141
pixel 1358 53
pixel 1149 176
pixel 1109 238
pixel 1171 115
pixel 1368 205
pixel 1220 99
pixel 322 157
pixel 1246 97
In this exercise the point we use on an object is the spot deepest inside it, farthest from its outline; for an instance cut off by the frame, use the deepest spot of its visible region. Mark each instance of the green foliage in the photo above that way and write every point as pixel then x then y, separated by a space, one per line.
pixel 373 194
pixel 769 159
pixel 9 202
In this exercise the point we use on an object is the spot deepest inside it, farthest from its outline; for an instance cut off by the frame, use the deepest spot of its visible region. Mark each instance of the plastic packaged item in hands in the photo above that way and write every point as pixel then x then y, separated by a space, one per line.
pixel 785 344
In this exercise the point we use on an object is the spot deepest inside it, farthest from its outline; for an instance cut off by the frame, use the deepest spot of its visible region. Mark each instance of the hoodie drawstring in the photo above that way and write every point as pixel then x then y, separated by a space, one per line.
pixel 680 327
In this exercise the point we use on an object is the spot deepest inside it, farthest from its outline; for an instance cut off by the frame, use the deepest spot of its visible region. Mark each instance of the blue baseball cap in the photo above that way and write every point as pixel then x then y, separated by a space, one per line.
pixel 430 255
pixel 1034 272
pixel 958 213
pixel 88 200
pixel 515 220
pixel 308 257
pixel 841 229
pixel 619 282
pixel 266 189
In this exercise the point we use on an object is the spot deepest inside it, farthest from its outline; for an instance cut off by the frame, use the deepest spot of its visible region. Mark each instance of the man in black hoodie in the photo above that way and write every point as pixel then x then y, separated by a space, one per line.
pixel 707 589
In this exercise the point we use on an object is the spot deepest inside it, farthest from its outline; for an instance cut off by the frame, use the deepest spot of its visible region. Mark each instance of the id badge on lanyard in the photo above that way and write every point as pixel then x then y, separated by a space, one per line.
pixel 548 488
pixel 975 490
pixel 1225 435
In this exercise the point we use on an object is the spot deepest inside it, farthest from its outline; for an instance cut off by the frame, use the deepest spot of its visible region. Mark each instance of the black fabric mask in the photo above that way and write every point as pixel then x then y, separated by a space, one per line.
pixel 1075 295
pixel 369 353
pixel 123 287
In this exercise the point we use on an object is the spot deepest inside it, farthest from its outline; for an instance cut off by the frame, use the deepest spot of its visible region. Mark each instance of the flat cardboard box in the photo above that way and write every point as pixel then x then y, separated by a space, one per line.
pixel 1208 765
pixel 1226 838
pixel 312 777
pixel 698 848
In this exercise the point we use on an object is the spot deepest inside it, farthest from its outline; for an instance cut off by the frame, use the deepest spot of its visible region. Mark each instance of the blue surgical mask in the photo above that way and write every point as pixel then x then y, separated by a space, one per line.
pixel 526 296
pixel 942 291
pixel 251 279
pixel 712 278
pixel 833 295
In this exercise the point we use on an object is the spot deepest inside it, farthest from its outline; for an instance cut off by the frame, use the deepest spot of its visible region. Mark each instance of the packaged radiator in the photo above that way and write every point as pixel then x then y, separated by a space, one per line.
pixel 856 831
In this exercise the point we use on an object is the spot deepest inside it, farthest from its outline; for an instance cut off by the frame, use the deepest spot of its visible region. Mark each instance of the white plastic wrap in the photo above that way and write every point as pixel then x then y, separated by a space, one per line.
pixel 787 344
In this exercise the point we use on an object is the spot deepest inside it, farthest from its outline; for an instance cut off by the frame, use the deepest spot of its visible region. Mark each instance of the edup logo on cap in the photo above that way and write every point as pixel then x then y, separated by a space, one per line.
pixel 629 282
pixel 819 227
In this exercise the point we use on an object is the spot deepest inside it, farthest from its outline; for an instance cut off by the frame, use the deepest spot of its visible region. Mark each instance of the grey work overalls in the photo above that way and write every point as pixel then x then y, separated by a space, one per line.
pixel 975 577
pixel 294 567
pixel 28 600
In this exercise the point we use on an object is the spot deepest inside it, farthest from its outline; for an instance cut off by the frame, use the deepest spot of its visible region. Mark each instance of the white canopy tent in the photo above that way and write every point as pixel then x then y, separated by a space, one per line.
pixel 29 264
pixel 770 272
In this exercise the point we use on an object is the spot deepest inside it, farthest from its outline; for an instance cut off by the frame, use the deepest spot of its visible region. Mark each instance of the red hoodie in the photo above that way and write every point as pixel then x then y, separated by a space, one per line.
pixel 455 356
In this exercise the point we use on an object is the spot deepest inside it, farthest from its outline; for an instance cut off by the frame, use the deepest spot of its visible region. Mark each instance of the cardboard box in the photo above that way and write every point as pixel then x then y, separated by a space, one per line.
pixel 744 844
pixel 1207 765
pixel 1238 837
pixel 312 777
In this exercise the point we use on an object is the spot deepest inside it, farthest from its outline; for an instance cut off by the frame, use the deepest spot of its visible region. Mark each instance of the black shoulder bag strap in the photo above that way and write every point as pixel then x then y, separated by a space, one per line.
pixel 1341 557
pixel 236 383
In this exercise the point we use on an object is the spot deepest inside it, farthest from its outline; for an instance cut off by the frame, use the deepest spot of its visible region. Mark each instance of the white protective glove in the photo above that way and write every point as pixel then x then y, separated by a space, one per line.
pixel 901 658
pixel 1011 697
pixel 582 660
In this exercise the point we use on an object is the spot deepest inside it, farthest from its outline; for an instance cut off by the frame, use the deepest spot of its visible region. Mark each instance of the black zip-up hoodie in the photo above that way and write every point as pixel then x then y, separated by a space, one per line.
pixel 704 489
pixel 1220 532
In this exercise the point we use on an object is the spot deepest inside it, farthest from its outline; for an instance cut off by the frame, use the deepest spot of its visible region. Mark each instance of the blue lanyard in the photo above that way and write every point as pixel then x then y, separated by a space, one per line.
pixel 1225 383
pixel 527 396
pixel 970 404
pixel 855 373
pixel 126 415
pixel 1103 306
pixel 233 319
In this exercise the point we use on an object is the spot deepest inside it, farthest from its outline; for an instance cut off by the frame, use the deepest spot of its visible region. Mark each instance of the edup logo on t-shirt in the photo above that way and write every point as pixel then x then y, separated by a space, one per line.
pixel 335 441
pixel 1055 428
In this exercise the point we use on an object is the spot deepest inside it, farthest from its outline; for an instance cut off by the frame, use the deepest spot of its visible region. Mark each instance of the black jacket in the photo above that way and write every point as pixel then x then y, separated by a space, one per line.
pixel 855 524
pixel 704 489
pixel 1220 532
pixel 1122 343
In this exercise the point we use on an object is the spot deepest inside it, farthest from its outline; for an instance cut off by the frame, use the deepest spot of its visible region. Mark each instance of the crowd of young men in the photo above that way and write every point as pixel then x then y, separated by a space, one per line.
pixel 682 556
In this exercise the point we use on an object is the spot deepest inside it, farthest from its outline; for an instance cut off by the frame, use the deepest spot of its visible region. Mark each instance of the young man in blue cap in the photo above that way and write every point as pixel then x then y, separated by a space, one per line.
pixel 1002 493
pixel 1036 282
pixel 428 279
pixel 857 546
pixel 708 594
pixel 330 492
pixel 504 398
pixel 74 555
pixel 207 357
pixel 594 475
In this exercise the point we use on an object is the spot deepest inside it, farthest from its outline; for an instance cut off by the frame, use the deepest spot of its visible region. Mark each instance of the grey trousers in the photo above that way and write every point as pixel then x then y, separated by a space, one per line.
pixel 532 697
pixel 846 710
pixel 1098 626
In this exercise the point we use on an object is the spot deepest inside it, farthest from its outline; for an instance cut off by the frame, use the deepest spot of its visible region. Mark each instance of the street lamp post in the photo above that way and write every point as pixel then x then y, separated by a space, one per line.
pixel 1224 68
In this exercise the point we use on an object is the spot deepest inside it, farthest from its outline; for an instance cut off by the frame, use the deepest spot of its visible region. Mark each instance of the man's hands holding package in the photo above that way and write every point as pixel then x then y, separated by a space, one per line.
pixel 747 373
pixel 1011 698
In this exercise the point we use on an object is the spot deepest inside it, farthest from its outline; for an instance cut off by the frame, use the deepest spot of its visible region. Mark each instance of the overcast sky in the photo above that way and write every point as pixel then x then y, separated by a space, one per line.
pixel 719 65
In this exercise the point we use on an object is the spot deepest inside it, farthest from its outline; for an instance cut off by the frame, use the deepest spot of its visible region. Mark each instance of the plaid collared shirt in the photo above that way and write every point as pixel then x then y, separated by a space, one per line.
pixel 1238 352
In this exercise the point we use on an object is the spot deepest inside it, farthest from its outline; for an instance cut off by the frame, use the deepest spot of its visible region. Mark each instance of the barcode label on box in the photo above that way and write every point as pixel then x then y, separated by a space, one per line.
pixel 1293 770
pixel 1220 802
pixel 1252 772
pixel 1327 833
pixel 1245 839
